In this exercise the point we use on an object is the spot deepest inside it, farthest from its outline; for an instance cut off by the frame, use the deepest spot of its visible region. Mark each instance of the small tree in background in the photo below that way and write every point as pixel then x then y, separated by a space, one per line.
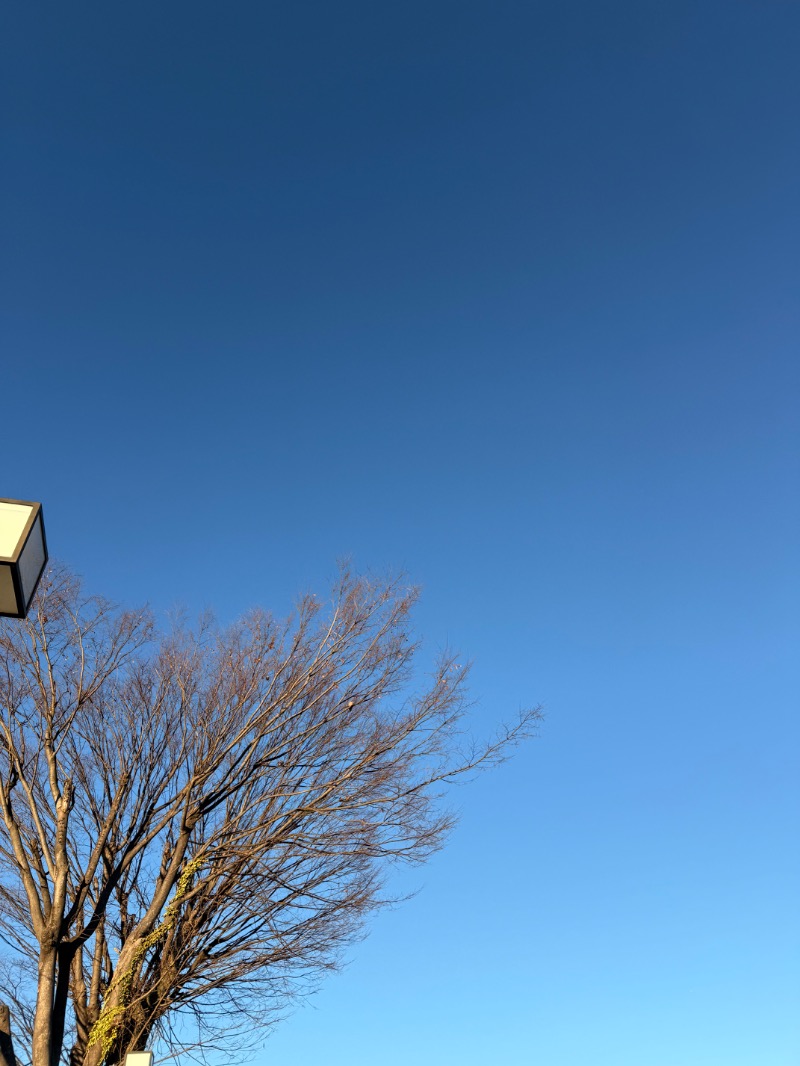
pixel 195 824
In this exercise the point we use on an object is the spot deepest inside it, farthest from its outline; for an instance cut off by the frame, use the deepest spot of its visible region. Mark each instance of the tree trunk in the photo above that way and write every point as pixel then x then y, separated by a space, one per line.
pixel 61 1000
pixel 43 1018
pixel 7 1056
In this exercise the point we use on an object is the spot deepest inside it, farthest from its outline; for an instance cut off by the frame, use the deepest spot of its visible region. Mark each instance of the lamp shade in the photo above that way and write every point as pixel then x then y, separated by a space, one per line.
pixel 23 553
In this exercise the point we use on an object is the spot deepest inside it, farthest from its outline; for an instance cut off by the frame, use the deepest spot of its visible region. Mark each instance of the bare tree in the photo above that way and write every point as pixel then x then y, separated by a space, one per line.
pixel 194 824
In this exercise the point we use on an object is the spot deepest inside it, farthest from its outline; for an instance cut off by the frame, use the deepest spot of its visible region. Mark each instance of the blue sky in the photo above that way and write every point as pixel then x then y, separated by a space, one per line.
pixel 506 295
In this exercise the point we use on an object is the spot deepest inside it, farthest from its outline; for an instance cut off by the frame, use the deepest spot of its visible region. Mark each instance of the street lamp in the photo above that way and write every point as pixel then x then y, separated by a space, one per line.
pixel 23 553
pixel 139 1058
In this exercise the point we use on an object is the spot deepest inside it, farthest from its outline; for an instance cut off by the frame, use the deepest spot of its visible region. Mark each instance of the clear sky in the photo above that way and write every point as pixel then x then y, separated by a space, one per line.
pixel 507 294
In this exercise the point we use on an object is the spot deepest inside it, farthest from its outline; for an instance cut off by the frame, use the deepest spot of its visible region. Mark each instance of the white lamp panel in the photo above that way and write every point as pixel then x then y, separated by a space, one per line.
pixel 13 517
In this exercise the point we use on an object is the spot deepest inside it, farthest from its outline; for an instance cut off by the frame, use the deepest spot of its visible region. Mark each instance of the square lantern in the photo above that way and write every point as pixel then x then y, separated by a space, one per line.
pixel 23 553
pixel 139 1058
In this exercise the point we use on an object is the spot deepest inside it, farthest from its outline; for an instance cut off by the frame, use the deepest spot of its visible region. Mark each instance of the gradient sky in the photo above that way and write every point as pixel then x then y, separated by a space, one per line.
pixel 505 294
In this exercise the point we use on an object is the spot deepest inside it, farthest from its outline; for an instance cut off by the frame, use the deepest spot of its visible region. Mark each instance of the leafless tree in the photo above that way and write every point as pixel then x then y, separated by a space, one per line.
pixel 195 823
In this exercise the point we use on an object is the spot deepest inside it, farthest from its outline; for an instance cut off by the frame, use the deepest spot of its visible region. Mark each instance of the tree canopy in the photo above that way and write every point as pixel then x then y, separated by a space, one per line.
pixel 196 822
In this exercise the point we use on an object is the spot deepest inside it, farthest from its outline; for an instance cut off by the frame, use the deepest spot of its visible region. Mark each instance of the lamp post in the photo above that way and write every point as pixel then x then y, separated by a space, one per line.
pixel 23 554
